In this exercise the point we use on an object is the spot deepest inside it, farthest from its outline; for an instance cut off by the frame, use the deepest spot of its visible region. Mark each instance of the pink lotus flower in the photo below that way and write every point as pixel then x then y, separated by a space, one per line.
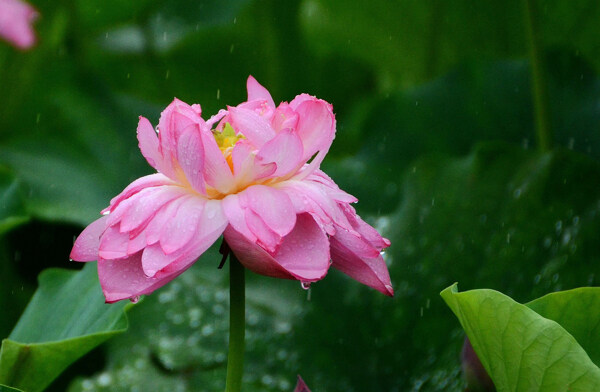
pixel 16 18
pixel 251 178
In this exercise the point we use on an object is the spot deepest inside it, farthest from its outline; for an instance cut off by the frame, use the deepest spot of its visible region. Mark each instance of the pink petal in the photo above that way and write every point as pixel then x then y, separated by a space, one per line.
pixel 318 176
pixel 213 119
pixel 209 227
pixel 273 206
pixel 141 207
pixel 250 124
pixel 355 257
pixel 303 253
pixel 216 170
pixel 234 208
pixel 153 180
pixel 262 214
pixel 284 117
pixel 301 386
pixel 367 231
pixel 183 225
pixel 266 237
pixel 190 156
pixel 313 197
pixel 16 18
pixel 153 230
pixel 86 245
pixel 285 150
pixel 122 279
pixel 246 168
pixel 316 126
pixel 113 244
pixel 174 120
pixel 148 143
pixel 258 92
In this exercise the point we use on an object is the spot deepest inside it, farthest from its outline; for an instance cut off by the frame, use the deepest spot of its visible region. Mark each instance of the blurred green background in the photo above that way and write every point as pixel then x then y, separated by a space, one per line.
pixel 436 137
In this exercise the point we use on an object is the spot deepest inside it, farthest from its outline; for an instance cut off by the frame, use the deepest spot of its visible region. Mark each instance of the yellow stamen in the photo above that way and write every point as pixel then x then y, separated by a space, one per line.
pixel 226 139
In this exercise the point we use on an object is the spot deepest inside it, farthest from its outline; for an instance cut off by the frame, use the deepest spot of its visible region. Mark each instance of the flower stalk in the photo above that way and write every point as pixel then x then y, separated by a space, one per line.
pixel 237 325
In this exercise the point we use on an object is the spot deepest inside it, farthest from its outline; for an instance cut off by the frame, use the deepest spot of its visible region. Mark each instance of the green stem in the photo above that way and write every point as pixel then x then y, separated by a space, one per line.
pixel 237 325
pixel 539 86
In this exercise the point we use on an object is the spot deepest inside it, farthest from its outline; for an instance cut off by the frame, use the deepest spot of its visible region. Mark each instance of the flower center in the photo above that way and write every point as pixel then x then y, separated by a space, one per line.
pixel 226 140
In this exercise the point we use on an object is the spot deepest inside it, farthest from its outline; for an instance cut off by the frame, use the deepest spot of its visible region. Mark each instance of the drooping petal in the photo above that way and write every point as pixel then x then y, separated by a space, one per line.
pixel 367 231
pixel 284 150
pixel 123 279
pixel 16 18
pixel 250 124
pixel 86 245
pixel 257 92
pixel 303 253
pixel 358 259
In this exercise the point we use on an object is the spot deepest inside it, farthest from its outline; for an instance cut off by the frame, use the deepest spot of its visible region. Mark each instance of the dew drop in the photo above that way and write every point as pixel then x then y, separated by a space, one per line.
pixel 305 285
pixel 135 299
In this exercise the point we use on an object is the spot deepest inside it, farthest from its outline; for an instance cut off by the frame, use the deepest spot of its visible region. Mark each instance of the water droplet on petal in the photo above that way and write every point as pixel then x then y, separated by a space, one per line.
pixel 135 299
pixel 305 285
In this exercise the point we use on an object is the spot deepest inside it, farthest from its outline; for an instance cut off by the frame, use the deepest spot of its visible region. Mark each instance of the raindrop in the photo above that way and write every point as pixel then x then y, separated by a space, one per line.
pixel 135 300
pixel 218 94
pixel 305 285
